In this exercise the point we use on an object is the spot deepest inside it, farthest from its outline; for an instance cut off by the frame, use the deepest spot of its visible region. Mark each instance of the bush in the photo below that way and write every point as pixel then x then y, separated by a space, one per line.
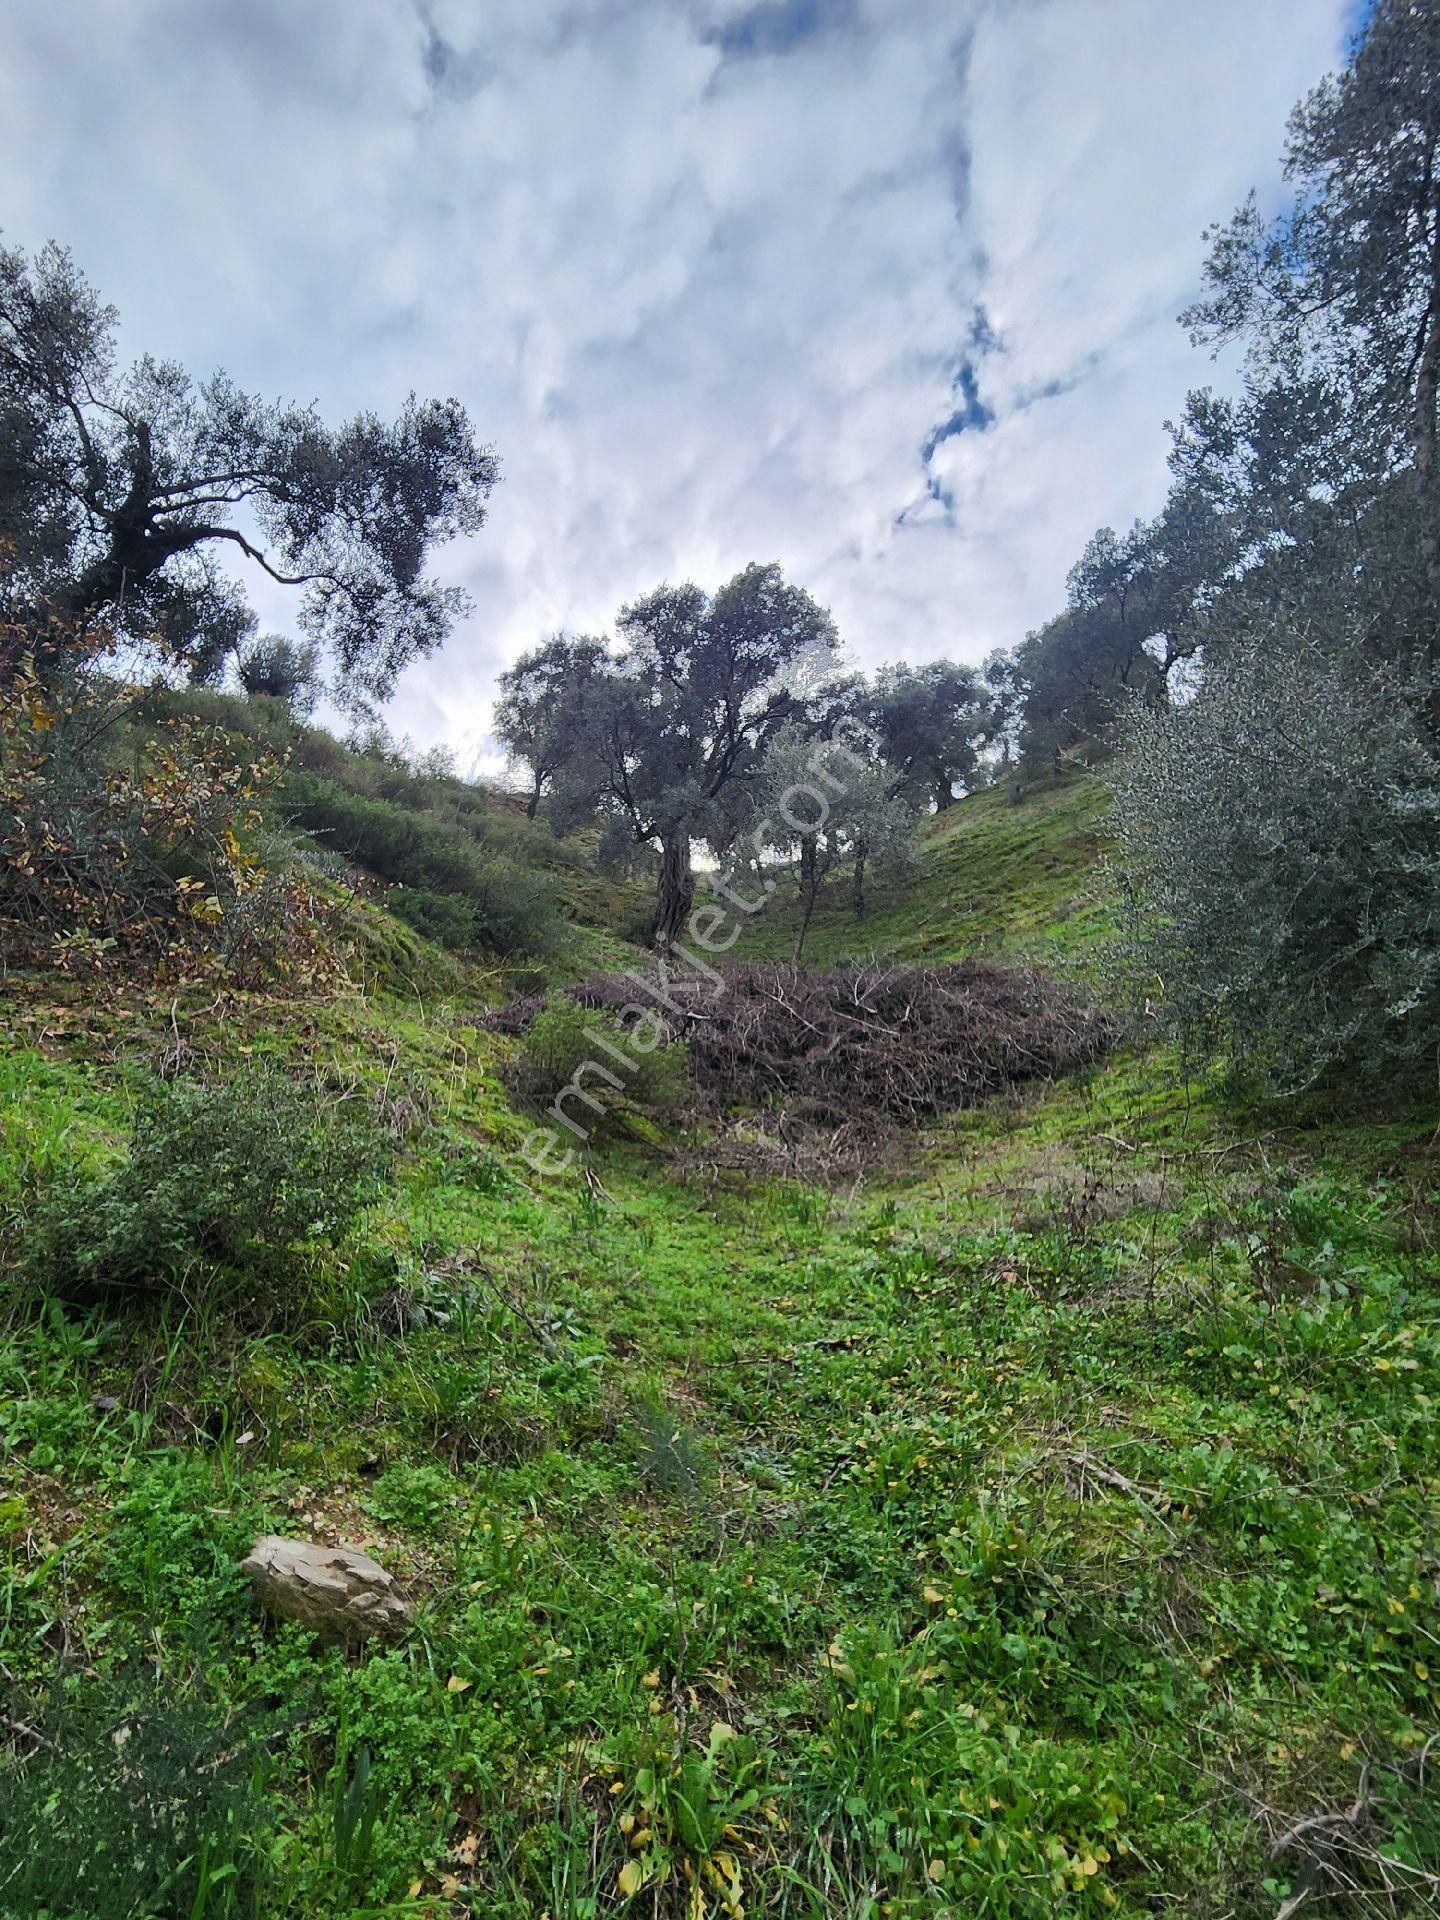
pixel 128 1797
pixel 128 832
pixel 447 883
pixel 226 1177
pixel 559 1044
pixel 1278 839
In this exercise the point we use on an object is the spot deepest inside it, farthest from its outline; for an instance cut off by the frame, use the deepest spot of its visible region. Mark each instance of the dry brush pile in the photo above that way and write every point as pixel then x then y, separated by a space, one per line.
pixel 866 1045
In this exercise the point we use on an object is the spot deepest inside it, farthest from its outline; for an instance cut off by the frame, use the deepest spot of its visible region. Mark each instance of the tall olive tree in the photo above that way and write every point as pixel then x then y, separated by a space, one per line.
pixel 679 719
pixel 120 490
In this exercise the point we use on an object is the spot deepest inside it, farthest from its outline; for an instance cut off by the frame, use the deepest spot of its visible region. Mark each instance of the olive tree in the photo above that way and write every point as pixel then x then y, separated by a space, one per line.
pixel 821 805
pixel 676 722
pixel 121 489
pixel 1279 841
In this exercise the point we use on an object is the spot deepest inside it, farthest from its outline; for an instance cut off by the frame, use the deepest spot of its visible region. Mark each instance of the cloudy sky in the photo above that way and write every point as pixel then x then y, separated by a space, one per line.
pixel 881 289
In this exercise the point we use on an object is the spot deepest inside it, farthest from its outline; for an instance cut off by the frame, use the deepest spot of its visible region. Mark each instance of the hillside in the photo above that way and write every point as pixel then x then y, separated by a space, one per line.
pixel 1039 1525
pixel 998 876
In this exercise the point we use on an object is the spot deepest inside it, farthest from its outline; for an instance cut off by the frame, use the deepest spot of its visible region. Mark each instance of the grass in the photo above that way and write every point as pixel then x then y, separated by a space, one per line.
pixel 1001 877
pixel 1044 1527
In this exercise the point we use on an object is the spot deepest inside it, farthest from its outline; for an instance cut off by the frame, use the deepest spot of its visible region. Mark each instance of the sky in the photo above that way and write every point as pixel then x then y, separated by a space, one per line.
pixel 884 290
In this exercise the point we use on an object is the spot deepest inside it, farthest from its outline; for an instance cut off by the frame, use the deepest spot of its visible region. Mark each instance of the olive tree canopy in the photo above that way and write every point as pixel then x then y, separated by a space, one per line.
pixel 674 724
pixel 119 490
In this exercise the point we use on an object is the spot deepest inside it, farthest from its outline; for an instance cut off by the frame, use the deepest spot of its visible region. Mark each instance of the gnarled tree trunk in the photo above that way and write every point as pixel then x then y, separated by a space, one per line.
pixel 676 892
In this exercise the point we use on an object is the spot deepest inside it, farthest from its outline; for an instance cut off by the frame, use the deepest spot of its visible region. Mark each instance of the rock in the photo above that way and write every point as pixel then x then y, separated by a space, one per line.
pixel 337 1590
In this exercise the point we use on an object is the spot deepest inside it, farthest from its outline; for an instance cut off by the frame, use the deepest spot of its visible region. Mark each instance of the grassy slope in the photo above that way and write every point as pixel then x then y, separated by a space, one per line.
pixel 1035 1517
pixel 995 876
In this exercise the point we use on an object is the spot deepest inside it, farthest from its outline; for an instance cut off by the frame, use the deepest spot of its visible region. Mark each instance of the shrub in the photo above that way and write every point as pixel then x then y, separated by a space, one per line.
pixel 128 832
pixel 560 1044
pixel 1278 840
pixel 227 1177
pixel 447 883
pixel 127 1797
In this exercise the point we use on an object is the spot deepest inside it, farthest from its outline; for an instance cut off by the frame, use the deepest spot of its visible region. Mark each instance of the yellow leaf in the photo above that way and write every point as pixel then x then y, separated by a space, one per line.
pixel 651 1679
pixel 632 1878
pixel 457 1683
pixel 935 1871
pixel 934 1596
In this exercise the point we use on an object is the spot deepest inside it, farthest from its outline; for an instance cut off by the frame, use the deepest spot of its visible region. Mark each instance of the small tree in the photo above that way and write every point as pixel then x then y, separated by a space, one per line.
pixel 821 805
pixel 280 669
pixel 1278 840
pixel 117 492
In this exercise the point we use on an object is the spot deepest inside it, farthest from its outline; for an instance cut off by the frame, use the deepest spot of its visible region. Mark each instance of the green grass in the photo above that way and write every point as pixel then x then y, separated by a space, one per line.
pixel 997 877
pixel 1042 1527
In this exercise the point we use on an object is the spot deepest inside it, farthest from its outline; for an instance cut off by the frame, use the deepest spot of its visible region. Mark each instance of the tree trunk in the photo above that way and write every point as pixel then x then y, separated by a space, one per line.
pixel 809 887
pixel 857 884
pixel 1427 385
pixel 676 891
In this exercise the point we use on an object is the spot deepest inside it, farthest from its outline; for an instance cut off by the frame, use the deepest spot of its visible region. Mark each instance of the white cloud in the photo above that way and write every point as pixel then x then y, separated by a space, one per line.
pixel 707 303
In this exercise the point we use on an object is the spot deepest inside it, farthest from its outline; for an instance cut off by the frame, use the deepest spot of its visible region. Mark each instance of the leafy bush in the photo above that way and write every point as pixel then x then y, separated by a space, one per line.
pixel 228 1177
pixel 129 830
pixel 128 1797
pixel 560 1045
pixel 447 883
pixel 1278 837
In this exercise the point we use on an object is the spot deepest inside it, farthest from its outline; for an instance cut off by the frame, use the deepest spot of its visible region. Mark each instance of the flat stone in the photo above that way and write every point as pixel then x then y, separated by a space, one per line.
pixel 337 1590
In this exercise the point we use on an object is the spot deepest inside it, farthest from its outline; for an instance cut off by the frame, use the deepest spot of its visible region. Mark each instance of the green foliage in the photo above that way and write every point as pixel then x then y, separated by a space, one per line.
pixel 991 1537
pixel 138 1799
pixel 227 1178
pixel 131 836
pixel 823 807
pixel 116 492
pixel 1011 871
pixel 559 1051
pixel 276 668
pixel 673 727
pixel 446 884
pixel 931 723
pixel 1279 836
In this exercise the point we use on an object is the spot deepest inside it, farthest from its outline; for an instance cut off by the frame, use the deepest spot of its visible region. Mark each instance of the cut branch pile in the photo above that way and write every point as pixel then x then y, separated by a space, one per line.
pixel 872 1044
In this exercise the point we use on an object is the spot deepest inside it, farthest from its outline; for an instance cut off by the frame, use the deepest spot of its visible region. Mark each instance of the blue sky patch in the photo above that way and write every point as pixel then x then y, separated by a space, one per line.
pixel 780 26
